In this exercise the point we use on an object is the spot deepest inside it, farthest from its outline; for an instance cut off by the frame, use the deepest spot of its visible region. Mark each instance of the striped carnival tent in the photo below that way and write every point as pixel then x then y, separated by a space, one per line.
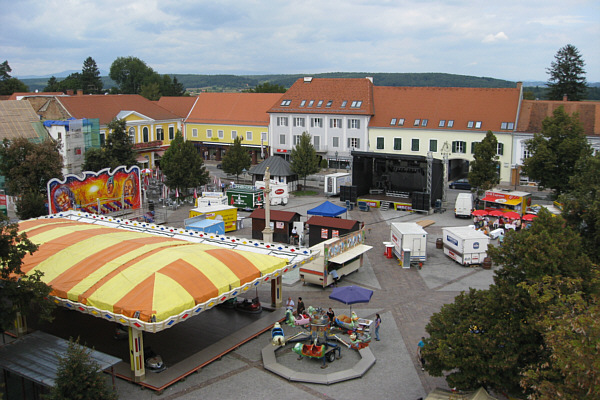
pixel 147 276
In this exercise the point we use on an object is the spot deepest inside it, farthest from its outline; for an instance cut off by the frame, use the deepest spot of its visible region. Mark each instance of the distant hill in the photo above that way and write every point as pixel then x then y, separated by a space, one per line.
pixel 231 83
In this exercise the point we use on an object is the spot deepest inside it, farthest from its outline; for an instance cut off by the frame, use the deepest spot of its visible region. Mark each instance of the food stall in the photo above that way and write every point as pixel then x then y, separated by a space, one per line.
pixel 344 255
pixel 323 228
pixel 281 223
pixel 506 200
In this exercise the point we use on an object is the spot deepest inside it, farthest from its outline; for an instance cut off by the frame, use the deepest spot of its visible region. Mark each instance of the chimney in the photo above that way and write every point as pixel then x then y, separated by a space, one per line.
pixel 565 97
pixel 69 92
pixel 519 85
pixel 79 92
pixel 308 79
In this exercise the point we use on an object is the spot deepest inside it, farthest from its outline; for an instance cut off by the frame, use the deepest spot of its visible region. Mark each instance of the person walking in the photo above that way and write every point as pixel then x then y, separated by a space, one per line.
pixel 420 346
pixel 377 325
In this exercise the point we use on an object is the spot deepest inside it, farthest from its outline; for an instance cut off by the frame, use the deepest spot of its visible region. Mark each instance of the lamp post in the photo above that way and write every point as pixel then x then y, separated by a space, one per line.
pixel 337 164
pixel 244 174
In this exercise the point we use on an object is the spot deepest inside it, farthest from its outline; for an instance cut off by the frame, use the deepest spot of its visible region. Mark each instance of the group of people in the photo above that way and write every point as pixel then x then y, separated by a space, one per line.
pixel 486 225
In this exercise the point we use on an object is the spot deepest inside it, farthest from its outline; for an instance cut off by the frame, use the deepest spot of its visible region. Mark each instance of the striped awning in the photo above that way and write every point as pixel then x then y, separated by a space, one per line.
pixel 125 273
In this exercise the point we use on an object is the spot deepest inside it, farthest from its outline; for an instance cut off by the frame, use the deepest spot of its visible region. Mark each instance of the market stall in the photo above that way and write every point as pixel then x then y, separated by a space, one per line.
pixel 323 228
pixel 506 200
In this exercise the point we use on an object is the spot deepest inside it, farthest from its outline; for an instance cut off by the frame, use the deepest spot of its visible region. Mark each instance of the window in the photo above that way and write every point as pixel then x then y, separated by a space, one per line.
pixel 329 103
pixel 132 134
pixel 478 125
pixel 353 143
pixel 414 145
pixel 473 146
pixel 356 104
pixel 450 123
pixel 459 147
pixel 302 103
pixel 424 122
pixel 433 145
pixel 380 143
pixel 102 138
pixel 344 103
pixel 195 132
pixel 281 139
pixel 296 140
pixel 320 103
pixel 353 123
pixel 393 121
pixel 145 134
pixel 417 122
pixel 282 121
pixel 470 124
pixel 221 134
pixel 310 103
pixel 316 122
pixel 500 149
pixel 160 134
pixel 336 141
pixel 317 142
pixel 507 125
pixel 442 123
pixel 335 123
pixel 263 136
pixel 298 121
pixel 171 132
pixel 248 135
pixel 401 122
pixel 286 103
pixel 526 153
pixel 208 133
pixel 397 143
pixel 233 135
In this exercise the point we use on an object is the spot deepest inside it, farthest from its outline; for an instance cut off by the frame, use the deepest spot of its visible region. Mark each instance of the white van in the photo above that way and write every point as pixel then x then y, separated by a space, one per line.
pixel 464 205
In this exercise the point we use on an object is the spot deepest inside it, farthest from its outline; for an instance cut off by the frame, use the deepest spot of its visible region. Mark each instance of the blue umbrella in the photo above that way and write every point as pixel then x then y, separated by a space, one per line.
pixel 351 295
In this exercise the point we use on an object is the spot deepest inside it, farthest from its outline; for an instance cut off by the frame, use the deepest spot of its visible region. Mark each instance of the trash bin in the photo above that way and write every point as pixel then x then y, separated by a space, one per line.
pixel 389 249
pixel 487 263
pixel 439 243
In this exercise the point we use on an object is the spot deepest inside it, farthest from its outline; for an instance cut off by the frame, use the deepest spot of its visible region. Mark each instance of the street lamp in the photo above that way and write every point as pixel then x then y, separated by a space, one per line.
pixel 336 161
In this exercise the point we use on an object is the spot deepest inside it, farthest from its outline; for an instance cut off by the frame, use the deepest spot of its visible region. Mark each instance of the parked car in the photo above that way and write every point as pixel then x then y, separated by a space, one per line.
pixel 462 184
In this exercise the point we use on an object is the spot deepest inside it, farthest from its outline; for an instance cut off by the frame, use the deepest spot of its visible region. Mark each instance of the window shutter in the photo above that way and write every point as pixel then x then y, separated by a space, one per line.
pixel 454 147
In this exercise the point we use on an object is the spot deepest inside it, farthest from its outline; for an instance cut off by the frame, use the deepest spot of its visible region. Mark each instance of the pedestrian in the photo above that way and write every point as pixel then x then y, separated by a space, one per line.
pixel 420 346
pixel 289 304
pixel 331 315
pixel 335 277
pixel 300 306
pixel 377 325
pixel 294 235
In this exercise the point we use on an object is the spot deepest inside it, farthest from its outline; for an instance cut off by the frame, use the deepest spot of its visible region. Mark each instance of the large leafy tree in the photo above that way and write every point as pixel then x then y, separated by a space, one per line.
pixel 567 75
pixel 90 77
pixel 304 158
pixel 236 159
pixel 183 166
pixel 28 167
pixel 484 167
pixel 80 377
pixel 556 150
pixel 267 87
pixel 19 293
pixel 130 73
pixel 8 84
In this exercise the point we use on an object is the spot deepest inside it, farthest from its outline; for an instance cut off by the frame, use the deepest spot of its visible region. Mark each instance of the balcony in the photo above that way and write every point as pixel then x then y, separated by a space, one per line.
pixel 147 145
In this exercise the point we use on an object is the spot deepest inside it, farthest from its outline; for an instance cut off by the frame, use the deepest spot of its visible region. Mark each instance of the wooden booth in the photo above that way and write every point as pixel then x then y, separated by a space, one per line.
pixel 323 228
pixel 281 221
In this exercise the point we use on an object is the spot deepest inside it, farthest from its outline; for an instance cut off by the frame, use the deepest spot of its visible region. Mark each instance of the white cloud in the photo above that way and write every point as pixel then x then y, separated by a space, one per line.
pixel 495 38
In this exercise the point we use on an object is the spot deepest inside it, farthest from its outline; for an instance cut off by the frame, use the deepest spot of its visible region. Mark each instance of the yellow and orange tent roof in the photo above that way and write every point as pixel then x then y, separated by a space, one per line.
pixel 133 275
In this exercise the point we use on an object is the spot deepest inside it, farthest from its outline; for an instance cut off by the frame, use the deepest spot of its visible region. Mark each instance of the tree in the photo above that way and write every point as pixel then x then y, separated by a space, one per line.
pixel 130 73
pixel 304 158
pixel 484 168
pixel 236 159
pixel 567 76
pixel 71 82
pixel 183 166
pixel 90 77
pixel 95 159
pixel 53 85
pixel 19 293
pixel 28 167
pixel 117 147
pixel 267 87
pixel 556 150
pixel 151 91
pixel 581 204
pixel 177 88
pixel 79 376
pixel 9 85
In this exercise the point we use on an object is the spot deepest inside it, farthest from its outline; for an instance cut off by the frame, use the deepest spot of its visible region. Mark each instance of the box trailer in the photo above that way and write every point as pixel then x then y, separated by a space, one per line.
pixel 245 197
pixel 465 245
pixel 409 236
pixel 280 193
pixel 201 224
pixel 342 255
pixel 227 214
pixel 334 181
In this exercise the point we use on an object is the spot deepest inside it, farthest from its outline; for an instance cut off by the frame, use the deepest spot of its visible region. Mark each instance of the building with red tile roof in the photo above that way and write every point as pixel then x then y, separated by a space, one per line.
pixel 216 119
pixel 178 105
pixel 335 112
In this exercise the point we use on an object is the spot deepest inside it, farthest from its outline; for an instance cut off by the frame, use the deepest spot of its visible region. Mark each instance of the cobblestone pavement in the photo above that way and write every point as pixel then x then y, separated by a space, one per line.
pixel 405 298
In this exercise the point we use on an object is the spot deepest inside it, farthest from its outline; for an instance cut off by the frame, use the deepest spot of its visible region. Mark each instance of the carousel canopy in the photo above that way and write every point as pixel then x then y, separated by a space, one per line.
pixel 143 275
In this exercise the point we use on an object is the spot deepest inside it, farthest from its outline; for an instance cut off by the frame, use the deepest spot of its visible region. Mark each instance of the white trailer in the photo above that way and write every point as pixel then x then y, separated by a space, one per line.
pixel 409 237
pixel 280 193
pixel 211 199
pixel 465 245
pixel 334 181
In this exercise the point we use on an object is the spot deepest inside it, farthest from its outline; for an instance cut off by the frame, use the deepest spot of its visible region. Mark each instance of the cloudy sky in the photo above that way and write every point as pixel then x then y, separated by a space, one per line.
pixel 513 40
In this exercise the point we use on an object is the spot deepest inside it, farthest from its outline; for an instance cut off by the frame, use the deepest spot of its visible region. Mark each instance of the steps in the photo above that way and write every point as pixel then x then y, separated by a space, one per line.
pixel 385 205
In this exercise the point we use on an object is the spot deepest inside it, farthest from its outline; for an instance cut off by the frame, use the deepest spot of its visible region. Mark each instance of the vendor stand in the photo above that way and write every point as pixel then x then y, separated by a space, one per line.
pixel 281 223
pixel 323 228
pixel 506 200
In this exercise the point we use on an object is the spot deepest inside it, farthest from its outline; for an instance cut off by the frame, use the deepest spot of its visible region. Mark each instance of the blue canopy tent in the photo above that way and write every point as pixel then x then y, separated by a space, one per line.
pixel 327 209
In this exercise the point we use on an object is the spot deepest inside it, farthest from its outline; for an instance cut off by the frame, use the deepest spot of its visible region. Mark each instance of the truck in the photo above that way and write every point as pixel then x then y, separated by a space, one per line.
pixel 409 239
pixel 280 193
pixel 463 206
pixel 465 245
pixel 245 197
pixel 334 181
pixel 343 255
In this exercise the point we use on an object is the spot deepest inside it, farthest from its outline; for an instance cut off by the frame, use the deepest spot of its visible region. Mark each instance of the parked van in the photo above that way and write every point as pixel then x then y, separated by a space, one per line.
pixel 464 205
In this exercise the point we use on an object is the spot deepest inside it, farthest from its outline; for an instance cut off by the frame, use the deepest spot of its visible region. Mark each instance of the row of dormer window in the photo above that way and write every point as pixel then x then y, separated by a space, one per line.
pixel 449 123
pixel 457 146
pixel 310 103
pixel 317 122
